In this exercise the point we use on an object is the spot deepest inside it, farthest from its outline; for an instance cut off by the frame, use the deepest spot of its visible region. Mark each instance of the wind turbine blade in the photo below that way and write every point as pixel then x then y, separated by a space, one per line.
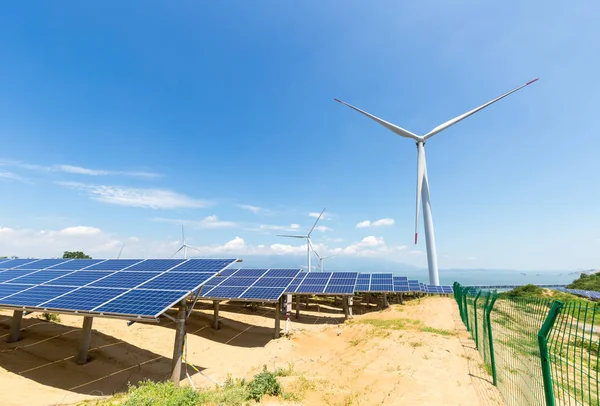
pixel 455 120
pixel 180 248
pixel 392 127
pixel 291 236
pixel 318 218
pixel 121 251
pixel 313 249
pixel 420 175
pixel 194 248
pixel 182 235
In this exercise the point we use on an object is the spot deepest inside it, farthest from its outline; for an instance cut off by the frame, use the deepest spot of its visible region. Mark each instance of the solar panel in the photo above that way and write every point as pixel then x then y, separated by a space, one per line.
pixel 125 287
pixel 83 299
pixel 76 264
pixel 363 282
pixel 113 265
pixel 156 265
pixel 42 263
pixel 250 284
pixel 318 283
pixel 15 262
pixel 79 278
pixel 14 273
pixel 39 277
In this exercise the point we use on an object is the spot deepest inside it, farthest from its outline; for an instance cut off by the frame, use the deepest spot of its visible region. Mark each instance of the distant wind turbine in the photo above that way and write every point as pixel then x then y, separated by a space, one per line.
pixel 307 236
pixel 121 251
pixel 322 259
pixel 184 246
pixel 422 182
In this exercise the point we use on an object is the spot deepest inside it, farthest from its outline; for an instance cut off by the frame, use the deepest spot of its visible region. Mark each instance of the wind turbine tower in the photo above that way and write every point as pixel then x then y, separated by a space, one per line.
pixel 307 236
pixel 422 181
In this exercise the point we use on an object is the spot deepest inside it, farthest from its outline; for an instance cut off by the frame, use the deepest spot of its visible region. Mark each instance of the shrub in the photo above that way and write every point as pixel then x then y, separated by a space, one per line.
pixel 525 290
pixel 51 317
pixel 264 383
pixel 149 393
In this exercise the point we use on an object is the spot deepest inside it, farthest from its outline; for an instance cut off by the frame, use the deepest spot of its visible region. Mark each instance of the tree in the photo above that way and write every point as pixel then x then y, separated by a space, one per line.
pixel 75 255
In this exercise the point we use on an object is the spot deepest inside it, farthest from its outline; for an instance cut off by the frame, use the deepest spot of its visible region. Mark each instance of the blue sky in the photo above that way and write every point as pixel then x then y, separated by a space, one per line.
pixel 118 122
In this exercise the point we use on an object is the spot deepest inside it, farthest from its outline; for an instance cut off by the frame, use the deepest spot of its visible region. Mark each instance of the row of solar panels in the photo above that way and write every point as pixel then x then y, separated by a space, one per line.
pixel 147 288
pixel 592 294
pixel 123 287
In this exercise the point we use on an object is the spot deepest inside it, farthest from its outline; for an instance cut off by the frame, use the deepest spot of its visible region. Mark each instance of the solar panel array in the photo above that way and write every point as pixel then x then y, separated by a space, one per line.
pixel 266 285
pixel 375 282
pixel 123 287
pixel 591 294
pixel 319 283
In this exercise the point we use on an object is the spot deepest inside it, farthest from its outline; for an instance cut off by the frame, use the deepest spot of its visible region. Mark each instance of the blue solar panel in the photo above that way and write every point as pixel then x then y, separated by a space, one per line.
pixel 338 275
pixel 212 282
pixel 262 293
pixel 228 272
pixel 313 289
pixel 184 281
pixel 76 264
pixel 150 303
pixel 61 286
pixel 384 287
pixel 13 273
pixel 224 292
pixel 7 289
pixel 42 263
pixel 273 282
pixel 39 277
pixel 79 278
pixel 124 279
pixel 156 265
pixel 15 262
pixel 282 273
pixel 343 281
pixel 203 265
pixel 340 289
pixel 84 299
pixel 113 265
pixel 35 296
pixel 238 281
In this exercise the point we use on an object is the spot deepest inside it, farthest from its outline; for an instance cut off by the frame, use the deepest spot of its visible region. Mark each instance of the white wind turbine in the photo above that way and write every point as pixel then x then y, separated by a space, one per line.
pixel 184 245
pixel 322 259
pixel 307 236
pixel 422 182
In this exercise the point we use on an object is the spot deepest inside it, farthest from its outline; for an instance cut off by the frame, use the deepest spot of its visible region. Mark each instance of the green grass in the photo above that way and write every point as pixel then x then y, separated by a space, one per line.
pixel 439 331
pixel 586 282
pixel 149 393
pixel 395 324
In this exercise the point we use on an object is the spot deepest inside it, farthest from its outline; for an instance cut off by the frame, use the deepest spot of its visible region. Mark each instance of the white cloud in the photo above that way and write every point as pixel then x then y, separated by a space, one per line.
pixel 325 216
pixel 253 209
pixel 80 231
pixel 470 258
pixel 79 170
pixel 323 228
pixel 207 222
pixel 9 176
pixel 134 197
pixel 294 226
pixel 291 227
pixel 376 223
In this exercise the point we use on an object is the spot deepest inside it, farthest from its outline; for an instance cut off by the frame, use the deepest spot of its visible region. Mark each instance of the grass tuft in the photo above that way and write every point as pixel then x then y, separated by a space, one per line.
pixel 53 317
pixel 439 331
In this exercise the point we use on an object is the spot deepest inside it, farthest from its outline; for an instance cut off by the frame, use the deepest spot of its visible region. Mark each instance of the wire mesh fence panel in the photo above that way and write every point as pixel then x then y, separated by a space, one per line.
pixel 515 324
pixel 573 354
pixel 471 314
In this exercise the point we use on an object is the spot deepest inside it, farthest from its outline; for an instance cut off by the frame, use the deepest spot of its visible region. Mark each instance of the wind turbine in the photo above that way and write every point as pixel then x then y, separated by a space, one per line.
pixel 322 259
pixel 307 236
pixel 422 182
pixel 184 246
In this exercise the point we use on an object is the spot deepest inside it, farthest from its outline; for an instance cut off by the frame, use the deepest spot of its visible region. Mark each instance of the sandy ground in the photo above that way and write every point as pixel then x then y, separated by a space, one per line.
pixel 346 364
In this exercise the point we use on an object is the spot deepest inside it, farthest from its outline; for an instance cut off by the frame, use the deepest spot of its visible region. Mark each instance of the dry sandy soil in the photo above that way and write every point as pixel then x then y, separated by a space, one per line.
pixel 352 363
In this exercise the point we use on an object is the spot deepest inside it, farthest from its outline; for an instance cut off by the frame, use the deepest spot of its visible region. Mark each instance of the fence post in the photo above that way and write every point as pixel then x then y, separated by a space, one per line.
pixel 475 317
pixel 465 292
pixel 490 337
pixel 544 355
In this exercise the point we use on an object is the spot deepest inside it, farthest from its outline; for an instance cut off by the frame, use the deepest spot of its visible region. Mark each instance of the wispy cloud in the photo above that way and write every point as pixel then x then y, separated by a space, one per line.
pixel 325 216
pixel 291 227
pixel 134 197
pixel 376 223
pixel 253 209
pixel 9 176
pixel 207 222
pixel 78 170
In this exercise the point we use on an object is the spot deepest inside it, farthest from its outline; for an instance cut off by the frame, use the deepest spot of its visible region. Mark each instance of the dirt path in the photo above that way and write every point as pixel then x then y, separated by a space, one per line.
pixel 415 354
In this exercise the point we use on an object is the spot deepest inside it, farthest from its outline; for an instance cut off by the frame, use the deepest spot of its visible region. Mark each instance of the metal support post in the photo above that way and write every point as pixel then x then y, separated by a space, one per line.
pixel 179 342
pixel 297 306
pixel 84 344
pixel 277 332
pixel 345 306
pixel 216 314
pixel 15 326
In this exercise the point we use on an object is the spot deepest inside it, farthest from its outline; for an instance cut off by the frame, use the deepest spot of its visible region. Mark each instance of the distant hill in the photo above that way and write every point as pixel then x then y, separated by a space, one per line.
pixel 587 281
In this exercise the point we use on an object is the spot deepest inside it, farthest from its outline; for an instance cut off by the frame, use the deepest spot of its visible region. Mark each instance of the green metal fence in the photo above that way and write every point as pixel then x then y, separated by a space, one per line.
pixel 537 351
